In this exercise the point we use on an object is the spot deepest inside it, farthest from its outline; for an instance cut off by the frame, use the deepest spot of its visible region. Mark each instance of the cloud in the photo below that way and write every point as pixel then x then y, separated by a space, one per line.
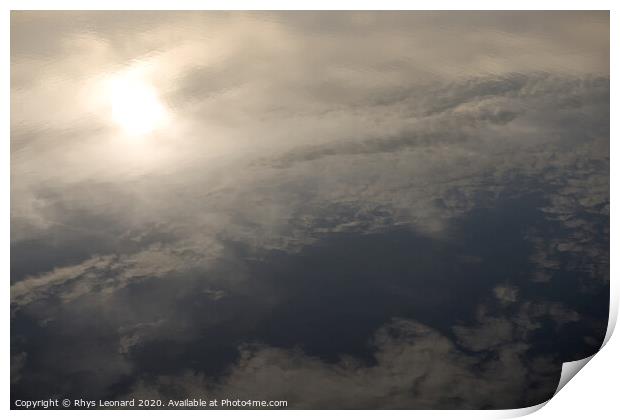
pixel 31 288
pixel 481 157
pixel 102 275
pixel 506 294
pixel 416 367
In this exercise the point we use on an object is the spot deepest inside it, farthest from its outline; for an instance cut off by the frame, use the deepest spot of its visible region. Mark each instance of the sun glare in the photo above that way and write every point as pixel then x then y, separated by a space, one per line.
pixel 136 107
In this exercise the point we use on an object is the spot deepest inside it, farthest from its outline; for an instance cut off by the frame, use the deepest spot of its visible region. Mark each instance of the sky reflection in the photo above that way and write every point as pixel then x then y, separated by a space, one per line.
pixel 340 210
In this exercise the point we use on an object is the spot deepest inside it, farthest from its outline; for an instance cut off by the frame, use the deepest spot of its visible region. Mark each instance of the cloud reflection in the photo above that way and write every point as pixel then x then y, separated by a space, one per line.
pixel 343 209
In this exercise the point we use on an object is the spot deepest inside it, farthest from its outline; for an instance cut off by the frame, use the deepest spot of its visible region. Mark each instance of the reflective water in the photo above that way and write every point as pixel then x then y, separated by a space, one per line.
pixel 341 210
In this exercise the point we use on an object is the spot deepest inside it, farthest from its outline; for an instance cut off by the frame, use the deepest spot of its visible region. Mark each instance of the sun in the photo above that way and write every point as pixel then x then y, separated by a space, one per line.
pixel 135 105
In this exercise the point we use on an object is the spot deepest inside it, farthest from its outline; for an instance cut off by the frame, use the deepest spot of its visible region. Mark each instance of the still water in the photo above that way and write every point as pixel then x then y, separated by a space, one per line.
pixel 336 209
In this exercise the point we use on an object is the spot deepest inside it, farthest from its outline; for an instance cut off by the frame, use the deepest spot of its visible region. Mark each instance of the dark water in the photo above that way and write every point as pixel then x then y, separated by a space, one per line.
pixel 323 208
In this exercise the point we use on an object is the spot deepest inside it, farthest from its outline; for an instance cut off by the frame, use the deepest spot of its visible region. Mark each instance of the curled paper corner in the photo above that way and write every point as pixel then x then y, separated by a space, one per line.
pixel 520 412
pixel 569 370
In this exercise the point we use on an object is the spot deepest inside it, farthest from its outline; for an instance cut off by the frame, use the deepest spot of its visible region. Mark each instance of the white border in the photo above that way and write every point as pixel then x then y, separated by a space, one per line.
pixel 593 394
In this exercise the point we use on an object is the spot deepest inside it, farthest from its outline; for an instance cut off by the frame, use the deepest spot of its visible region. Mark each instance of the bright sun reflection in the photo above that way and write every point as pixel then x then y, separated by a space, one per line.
pixel 135 105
